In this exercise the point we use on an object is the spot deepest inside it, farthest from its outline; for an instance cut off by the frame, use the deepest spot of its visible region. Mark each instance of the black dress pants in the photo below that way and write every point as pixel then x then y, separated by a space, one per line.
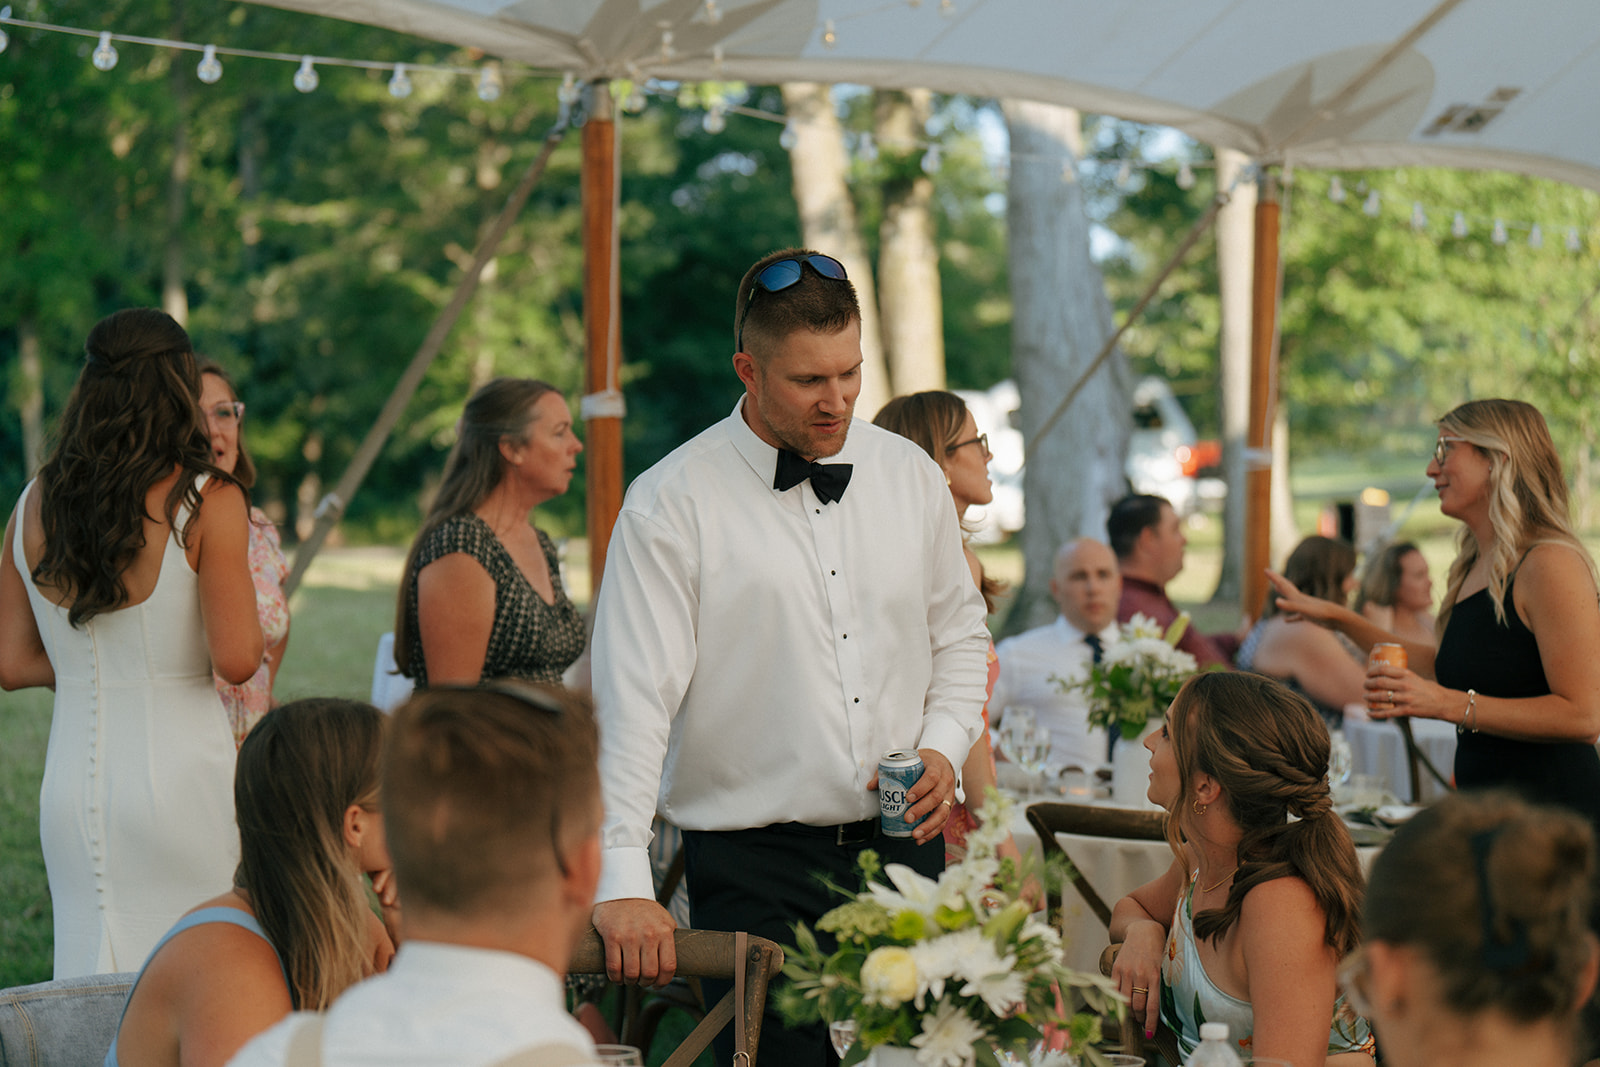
pixel 765 880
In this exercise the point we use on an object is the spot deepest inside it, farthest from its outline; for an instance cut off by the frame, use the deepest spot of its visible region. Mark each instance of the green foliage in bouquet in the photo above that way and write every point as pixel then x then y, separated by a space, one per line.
pixel 1138 675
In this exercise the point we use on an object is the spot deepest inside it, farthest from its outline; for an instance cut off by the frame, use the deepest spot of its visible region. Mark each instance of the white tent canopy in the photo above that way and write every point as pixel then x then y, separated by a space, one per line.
pixel 1365 83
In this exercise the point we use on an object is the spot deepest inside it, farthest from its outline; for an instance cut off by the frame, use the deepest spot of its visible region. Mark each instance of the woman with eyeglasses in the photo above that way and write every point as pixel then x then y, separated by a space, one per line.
pixel 940 423
pixel 124 584
pixel 481 595
pixel 1477 950
pixel 248 702
pixel 295 930
pixel 1263 898
pixel 1516 667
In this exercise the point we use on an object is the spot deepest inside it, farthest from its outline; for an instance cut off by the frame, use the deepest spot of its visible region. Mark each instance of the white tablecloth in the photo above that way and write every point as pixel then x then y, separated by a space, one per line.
pixel 1378 748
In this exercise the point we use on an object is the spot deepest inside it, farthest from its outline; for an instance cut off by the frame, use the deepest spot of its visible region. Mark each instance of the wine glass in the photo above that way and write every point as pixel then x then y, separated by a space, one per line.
pixel 1034 754
pixel 843 1034
pixel 1017 722
pixel 1340 762
pixel 618 1056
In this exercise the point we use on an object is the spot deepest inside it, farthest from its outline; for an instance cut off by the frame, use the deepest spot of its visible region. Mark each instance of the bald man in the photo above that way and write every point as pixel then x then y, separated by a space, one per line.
pixel 1086 586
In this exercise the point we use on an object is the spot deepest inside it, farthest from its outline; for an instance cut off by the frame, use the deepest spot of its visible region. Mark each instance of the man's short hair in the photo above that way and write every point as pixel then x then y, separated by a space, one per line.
pixel 485 791
pixel 1130 517
pixel 814 303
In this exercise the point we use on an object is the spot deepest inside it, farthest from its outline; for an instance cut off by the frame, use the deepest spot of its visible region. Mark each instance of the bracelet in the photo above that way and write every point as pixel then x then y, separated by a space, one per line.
pixel 1469 719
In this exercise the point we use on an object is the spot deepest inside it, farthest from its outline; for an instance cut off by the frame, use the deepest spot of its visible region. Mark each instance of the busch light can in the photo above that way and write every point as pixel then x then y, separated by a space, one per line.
pixel 898 771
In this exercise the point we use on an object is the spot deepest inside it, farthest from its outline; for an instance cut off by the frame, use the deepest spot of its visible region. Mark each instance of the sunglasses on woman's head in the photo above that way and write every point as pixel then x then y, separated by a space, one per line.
pixel 780 274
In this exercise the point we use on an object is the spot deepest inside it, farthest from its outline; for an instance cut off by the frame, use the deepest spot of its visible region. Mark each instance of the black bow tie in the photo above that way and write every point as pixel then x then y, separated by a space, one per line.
pixel 828 480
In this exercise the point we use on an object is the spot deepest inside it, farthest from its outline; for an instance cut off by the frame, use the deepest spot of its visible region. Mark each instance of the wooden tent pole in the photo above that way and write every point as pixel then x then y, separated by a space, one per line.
pixel 602 401
pixel 331 509
pixel 1263 398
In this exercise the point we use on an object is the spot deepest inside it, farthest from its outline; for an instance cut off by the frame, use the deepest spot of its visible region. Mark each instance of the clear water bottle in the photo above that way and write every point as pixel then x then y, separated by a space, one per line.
pixel 1215 1050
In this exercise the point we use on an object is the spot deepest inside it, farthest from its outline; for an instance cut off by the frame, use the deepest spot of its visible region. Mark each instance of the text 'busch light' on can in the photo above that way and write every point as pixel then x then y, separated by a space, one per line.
pixel 898 771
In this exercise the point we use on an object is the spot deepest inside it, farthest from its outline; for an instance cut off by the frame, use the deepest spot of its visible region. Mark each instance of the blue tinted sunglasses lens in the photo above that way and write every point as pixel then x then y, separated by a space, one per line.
pixel 776 277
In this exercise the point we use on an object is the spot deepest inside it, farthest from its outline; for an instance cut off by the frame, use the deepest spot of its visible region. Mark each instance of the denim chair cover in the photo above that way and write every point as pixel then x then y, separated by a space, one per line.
pixel 66 1023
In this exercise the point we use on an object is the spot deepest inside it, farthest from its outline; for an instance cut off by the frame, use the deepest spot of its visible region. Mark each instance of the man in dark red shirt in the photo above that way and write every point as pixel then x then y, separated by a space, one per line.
pixel 1147 536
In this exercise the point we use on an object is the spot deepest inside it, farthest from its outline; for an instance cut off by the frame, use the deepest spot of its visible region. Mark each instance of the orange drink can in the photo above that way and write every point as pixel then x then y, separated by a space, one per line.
pixel 1386 652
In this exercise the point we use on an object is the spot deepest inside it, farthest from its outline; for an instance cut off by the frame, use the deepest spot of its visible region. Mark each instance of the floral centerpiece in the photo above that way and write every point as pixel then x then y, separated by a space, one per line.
pixel 1138 675
pixel 953 969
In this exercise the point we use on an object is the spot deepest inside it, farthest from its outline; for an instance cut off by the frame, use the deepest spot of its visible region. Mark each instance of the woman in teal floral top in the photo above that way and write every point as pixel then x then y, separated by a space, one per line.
pixel 1248 925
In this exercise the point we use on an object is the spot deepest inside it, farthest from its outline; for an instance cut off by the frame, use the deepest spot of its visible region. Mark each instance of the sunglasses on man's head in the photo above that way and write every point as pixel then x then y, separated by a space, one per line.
pixel 780 274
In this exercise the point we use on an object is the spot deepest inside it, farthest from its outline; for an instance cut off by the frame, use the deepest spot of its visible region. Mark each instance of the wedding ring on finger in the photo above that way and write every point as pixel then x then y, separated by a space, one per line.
pixel 946 803
pixel 1141 989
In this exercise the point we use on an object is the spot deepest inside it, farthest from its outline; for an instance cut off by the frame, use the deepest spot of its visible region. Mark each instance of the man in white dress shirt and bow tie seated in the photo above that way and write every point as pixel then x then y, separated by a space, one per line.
pixel 1086 587
pixel 491 807
pixel 784 601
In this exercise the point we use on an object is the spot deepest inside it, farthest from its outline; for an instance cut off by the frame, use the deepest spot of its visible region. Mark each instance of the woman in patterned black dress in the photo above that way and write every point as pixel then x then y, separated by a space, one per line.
pixel 481 595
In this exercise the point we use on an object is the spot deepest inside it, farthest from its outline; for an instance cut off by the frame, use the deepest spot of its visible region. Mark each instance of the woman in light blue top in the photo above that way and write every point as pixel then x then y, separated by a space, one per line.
pixel 295 930
pixel 1263 899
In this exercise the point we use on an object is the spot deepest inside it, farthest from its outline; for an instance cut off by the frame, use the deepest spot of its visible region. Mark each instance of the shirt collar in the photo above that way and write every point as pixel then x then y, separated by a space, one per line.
pixel 1070 633
pixel 763 458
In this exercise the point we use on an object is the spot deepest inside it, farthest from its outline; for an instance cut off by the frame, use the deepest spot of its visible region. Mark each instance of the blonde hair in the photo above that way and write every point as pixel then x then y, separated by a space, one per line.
pixel 1527 495
pixel 300 768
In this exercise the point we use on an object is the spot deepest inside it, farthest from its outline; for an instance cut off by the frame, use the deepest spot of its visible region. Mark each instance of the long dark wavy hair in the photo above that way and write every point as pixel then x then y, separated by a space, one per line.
pixel 133 417
pixel 501 409
pixel 1268 749
pixel 300 768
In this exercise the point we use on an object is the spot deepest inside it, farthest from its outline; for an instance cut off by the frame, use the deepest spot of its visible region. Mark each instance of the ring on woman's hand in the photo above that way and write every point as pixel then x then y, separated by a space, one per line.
pixel 946 803
pixel 1141 989
pixel 1391 696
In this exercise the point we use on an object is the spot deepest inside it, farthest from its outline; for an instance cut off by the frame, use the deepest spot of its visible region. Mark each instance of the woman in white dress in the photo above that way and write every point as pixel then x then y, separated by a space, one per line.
pixel 124 581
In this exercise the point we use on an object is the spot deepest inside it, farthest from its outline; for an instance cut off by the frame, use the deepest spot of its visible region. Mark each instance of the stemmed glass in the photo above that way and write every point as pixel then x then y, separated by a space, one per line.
pixel 618 1055
pixel 1340 763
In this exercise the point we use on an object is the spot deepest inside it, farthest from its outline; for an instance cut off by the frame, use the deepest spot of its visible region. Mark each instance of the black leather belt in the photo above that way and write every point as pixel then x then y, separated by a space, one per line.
pixel 847 833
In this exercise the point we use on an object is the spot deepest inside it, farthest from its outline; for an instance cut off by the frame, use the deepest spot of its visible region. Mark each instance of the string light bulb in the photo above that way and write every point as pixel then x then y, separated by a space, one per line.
pixel 305 79
pixel 1419 217
pixel 716 119
pixel 1373 204
pixel 1336 190
pixel 667 49
pixel 210 68
pixel 1458 226
pixel 713 12
pixel 947 7
pixel 636 101
pixel 830 36
pixel 1574 244
pixel 400 83
pixel 716 60
pixel 567 95
pixel 5 13
pixel 1536 237
pixel 931 160
pixel 1498 236
pixel 788 138
pixel 1185 176
pixel 489 84
pixel 105 56
pixel 1124 174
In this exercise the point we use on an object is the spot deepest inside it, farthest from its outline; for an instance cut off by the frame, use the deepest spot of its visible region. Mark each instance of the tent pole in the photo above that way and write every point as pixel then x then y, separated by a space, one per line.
pixel 331 509
pixel 1263 398
pixel 602 401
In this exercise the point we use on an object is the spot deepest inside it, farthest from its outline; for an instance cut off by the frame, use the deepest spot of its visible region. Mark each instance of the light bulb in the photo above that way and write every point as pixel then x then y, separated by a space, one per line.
pixel 305 79
pixel 788 137
pixel 400 84
pixel 930 160
pixel 489 83
pixel 636 101
pixel 568 93
pixel 715 120
pixel 1336 190
pixel 1186 176
pixel 1536 237
pixel 1419 217
pixel 1499 234
pixel 713 12
pixel 1458 226
pixel 1124 174
pixel 209 70
pixel 1373 205
pixel 830 37
pixel 105 56
pixel 947 7
pixel 1574 244
pixel 716 60
pixel 666 44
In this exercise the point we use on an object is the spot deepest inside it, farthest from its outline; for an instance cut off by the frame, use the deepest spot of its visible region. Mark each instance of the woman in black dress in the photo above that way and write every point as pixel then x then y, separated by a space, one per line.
pixel 1518 663
pixel 481 595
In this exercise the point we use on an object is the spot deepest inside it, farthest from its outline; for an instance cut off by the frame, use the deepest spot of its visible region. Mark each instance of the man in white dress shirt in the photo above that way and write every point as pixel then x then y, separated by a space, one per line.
pixel 491 802
pixel 1086 587
pixel 767 627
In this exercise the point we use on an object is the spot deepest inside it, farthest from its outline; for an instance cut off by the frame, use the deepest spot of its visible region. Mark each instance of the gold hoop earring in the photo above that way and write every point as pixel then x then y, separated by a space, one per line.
pixel 1199 808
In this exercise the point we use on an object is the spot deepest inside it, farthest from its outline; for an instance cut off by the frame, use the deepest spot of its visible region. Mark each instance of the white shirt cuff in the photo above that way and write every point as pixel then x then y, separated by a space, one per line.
pixel 625 873
pixel 948 739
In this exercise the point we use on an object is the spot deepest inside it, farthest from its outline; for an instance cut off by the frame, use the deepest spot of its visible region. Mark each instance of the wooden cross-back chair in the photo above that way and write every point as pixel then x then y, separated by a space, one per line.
pixel 1050 819
pixel 702 954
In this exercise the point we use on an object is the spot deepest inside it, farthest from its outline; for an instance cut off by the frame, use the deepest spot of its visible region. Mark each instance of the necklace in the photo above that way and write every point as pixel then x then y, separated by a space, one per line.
pixel 1224 878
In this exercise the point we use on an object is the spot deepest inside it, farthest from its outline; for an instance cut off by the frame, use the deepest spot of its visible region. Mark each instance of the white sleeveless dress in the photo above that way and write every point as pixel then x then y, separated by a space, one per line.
pixel 136 809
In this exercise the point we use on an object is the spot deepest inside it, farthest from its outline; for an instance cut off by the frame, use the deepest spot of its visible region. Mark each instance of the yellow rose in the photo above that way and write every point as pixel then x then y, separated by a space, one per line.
pixel 888 977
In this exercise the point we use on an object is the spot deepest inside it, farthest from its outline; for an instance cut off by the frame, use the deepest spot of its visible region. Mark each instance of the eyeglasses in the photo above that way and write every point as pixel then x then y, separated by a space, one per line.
pixel 777 276
pixel 982 441
pixel 1352 976
pixel 1441 447
pixel 230 412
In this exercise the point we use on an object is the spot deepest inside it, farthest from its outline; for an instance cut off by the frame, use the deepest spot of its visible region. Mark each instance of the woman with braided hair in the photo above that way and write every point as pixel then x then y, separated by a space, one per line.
pixel 1262 901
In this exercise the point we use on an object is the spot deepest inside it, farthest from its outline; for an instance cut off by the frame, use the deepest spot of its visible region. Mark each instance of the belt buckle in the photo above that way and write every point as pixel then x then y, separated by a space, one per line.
pixel 854 833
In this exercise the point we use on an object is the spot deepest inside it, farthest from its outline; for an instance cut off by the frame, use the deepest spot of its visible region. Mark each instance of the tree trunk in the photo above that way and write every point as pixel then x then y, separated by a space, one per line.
pixel 174 295
pixel 30 394
pixel 908 256
pixel 1235 257
pixel 828 220
pixel 1060 320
